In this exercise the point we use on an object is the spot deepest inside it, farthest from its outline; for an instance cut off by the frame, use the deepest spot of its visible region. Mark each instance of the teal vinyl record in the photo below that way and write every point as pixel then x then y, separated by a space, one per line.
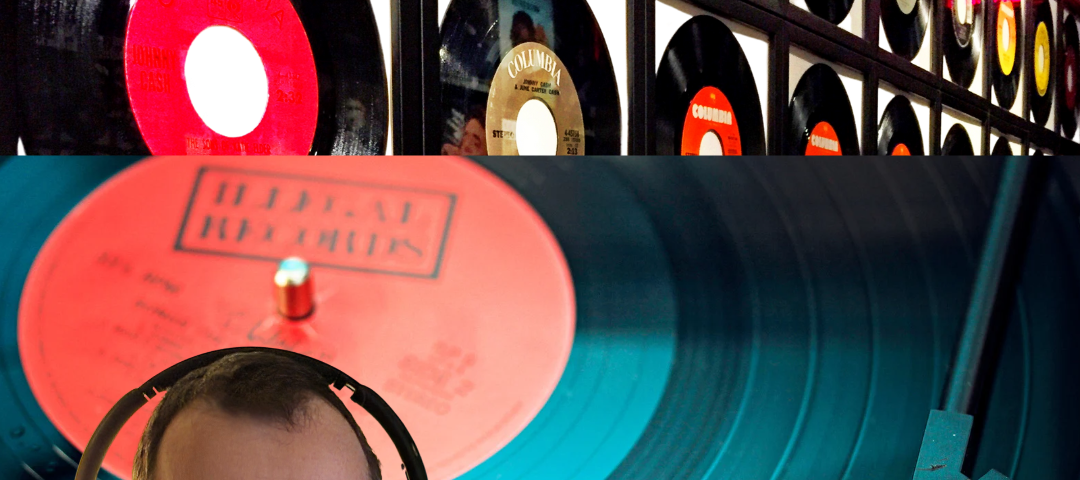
pixel 759 318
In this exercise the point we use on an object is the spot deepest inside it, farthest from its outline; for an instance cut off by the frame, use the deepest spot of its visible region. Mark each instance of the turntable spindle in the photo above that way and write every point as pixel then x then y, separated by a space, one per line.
pixel 293 289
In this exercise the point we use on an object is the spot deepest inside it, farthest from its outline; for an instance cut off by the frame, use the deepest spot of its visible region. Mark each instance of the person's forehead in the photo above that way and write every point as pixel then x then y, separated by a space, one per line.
pixel 204 442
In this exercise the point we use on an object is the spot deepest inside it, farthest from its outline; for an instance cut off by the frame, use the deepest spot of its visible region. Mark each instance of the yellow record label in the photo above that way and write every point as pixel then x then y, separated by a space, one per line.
pixel 1006 37
pixel 1042 59
pixel 531 71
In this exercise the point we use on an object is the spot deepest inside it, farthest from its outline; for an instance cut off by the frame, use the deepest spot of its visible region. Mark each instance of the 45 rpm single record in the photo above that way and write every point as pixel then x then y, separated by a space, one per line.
pixel 899 133
pixel 1068 106
pixel 905 24
pixel 832 10
pixel 1007 19
pixel 1002 148
pixel 541 63
pixel 957 142
pixel 821 121
pixel 707 100
pixel 112 77
pixel 1040 89
pixel 963 40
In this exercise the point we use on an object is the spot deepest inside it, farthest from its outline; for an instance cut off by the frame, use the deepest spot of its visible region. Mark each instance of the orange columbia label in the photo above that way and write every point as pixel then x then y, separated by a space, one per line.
pixel 710 111
pixel 823 141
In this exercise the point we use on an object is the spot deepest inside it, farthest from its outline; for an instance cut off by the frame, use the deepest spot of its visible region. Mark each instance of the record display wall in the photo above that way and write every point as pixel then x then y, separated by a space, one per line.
pixel 946 54
pixel 959 73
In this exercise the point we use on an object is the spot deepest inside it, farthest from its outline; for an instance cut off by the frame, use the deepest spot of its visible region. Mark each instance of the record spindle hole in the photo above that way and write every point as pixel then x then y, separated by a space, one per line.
pixel 226 81
pixel 711 144
pixel 536 131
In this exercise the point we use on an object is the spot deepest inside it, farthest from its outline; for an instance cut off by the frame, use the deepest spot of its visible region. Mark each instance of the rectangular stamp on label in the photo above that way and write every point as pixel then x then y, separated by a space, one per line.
pixel 270 216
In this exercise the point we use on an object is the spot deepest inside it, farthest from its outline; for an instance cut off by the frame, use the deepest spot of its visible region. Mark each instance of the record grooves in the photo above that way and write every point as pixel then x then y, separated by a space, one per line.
pixel 957 142
pixel 704 55
pixel 834 11
pixel 701 350
pixel 963 42
pixel 899 132
pixel 905 24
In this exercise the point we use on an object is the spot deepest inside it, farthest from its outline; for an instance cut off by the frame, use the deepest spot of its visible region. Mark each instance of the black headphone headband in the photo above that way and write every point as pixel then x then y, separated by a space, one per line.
pixel 94 455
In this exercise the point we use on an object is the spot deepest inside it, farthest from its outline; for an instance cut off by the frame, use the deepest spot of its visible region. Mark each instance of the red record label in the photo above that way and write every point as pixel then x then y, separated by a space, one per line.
pixel 823 141
pixel 901 150
pixel 159 34
pixel 710 111
pixel 435 283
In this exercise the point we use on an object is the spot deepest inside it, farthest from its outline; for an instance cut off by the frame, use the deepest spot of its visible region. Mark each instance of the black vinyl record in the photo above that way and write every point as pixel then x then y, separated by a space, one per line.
pixel 905 24
pixel 820 100
pixel 477 36
pixel 1005 83
pixel 9 133
pixel 957 142
pixel 74 97
pixel 832 10
pixel 1069 77
pixel 786 318
pixel 899 131
pixel 963 43
pixel 1040 87
pixel 704 53
pixel 1002 148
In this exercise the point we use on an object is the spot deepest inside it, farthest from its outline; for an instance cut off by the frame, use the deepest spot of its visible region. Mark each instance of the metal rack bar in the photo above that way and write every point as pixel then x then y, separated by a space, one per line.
pixel 641 74
pixel 415 70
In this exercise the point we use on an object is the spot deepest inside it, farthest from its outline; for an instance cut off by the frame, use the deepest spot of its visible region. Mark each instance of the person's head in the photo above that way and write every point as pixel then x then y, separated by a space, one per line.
pixel 521 28
pixel 253 415
pixel 474 136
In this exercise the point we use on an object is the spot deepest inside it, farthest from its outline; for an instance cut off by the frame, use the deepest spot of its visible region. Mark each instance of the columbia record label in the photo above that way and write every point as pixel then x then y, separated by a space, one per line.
pixel 526 76
pixel 710 127
pixel 531 71
pixel 823 141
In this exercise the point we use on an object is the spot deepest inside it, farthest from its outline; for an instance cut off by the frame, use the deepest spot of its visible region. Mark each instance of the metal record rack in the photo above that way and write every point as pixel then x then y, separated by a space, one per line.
pixel 789 26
